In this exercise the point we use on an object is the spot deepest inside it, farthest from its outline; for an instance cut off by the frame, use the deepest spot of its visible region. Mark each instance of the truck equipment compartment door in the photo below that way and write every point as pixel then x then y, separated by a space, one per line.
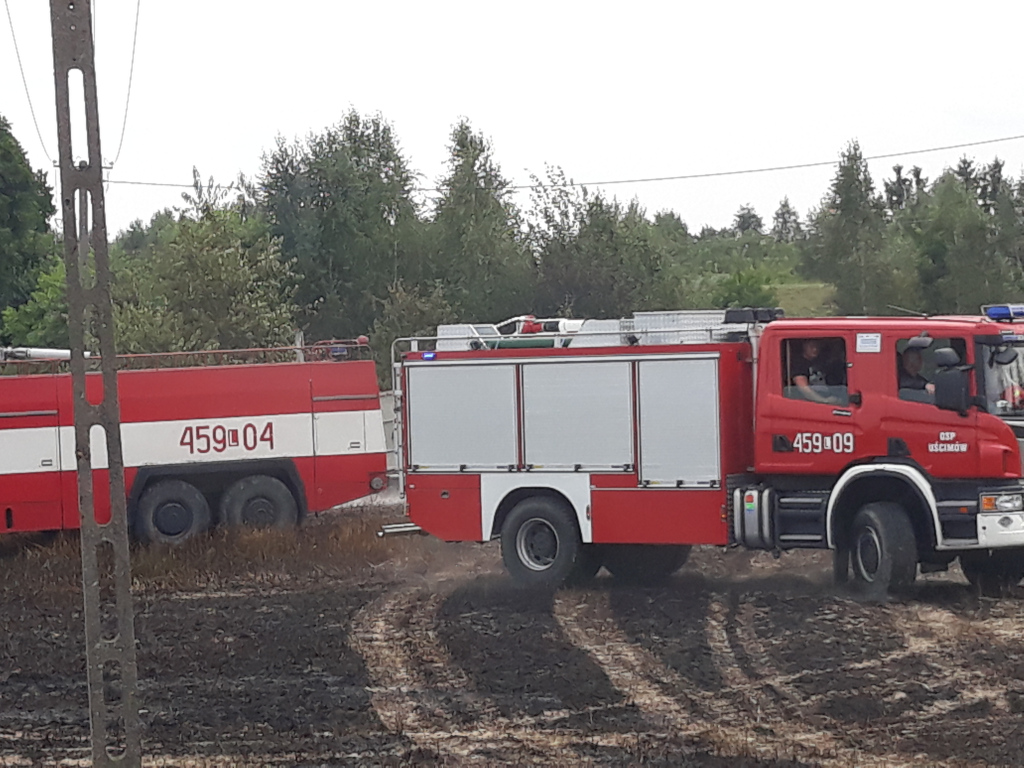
pixel 679 430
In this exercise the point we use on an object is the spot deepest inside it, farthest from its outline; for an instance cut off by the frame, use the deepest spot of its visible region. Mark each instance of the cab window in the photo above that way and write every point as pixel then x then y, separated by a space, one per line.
pixel 915 367
pixel 814 369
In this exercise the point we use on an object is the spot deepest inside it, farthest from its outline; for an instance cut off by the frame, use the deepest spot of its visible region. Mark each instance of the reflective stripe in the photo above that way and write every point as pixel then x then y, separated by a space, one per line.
pixel 148 443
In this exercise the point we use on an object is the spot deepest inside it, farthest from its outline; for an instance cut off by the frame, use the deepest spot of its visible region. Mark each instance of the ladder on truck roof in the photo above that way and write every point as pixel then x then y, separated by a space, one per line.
pixel 699 326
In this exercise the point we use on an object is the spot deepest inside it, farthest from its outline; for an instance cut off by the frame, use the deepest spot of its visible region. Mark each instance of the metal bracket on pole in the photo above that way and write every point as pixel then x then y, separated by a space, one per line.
pixel 106 568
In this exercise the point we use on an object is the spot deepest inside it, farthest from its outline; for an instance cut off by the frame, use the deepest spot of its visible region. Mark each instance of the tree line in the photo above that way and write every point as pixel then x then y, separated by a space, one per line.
pixel 334 237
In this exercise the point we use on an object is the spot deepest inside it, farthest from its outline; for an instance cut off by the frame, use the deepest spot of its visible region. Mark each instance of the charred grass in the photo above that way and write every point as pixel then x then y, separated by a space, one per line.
pixel 329 646
pixel 337 544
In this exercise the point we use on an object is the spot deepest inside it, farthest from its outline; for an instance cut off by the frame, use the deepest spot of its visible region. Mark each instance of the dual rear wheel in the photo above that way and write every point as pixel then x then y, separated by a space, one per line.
pixel 172 511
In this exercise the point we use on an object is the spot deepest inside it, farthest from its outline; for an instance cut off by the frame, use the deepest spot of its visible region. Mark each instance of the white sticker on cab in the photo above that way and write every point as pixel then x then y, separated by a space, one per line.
pixel 869 342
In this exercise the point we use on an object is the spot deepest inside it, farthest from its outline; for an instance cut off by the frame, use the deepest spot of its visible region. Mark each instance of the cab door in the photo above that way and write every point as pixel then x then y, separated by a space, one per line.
pixel 823 431
pixel 944 443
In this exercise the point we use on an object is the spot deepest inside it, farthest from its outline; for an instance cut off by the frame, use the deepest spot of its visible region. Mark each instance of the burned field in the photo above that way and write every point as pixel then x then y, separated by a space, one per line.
pixel 334 648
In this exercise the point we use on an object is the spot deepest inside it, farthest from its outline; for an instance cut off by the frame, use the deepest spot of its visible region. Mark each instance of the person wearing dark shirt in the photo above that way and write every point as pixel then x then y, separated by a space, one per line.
pixel 911 363
pixel 810 369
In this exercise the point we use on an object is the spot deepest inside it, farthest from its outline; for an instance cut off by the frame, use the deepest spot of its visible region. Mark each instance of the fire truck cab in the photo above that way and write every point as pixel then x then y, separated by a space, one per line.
pixel 622 443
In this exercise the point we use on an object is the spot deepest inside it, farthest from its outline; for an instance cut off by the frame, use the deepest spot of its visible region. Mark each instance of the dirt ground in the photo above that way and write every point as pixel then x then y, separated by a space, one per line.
pixel 333 648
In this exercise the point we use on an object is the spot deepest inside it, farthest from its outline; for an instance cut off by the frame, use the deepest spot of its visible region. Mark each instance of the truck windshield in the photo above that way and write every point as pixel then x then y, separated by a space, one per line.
pixel 1004 378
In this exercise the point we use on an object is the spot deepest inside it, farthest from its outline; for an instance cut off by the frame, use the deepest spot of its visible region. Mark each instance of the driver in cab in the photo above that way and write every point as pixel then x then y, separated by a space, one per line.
pixel 811 372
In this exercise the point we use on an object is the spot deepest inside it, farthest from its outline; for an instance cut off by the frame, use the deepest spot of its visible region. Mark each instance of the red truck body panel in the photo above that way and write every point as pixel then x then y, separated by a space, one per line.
pixel 323 418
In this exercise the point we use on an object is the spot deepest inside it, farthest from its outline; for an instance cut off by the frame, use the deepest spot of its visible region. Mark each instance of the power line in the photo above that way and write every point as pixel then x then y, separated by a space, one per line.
pixel 683 177
pixel 131 73
pixel 150 183
pixel 24 82
pixel 772 168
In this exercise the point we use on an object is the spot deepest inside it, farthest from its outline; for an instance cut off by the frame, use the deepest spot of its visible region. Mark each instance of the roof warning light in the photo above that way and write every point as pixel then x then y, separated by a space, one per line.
pixel 1004 312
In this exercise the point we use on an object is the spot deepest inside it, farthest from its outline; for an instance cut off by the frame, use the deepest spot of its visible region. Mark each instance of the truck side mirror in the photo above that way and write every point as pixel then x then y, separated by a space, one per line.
pixel 952 390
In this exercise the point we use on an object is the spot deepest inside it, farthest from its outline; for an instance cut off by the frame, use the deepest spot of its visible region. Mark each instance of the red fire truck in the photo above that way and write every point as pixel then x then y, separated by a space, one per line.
pixel 231 443
pixel 621 443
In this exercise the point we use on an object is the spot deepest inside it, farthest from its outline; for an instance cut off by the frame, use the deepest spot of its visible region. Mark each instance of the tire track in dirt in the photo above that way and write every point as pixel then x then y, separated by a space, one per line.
pixel 639 674
pixel 421 693
pixel 749 716
pixel 932 633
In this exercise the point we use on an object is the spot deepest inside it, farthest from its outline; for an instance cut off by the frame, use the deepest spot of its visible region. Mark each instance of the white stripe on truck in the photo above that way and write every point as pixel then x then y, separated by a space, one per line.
pixel 193 441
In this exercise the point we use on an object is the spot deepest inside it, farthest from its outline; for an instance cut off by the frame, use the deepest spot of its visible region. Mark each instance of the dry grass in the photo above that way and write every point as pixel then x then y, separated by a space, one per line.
pixel 337 544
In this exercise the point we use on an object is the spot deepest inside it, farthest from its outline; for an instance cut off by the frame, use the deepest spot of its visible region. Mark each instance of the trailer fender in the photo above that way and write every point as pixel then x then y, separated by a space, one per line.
pixel 573 486
pixel 909 475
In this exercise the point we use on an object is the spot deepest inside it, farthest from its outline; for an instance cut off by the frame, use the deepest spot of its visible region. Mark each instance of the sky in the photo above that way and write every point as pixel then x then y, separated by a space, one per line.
pixel 605 90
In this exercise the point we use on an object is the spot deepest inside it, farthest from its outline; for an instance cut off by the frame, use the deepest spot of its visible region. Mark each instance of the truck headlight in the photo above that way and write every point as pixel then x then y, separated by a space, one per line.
pixel 1003 502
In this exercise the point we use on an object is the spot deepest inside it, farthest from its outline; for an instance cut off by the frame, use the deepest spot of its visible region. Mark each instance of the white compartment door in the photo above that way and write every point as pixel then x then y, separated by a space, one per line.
pixel 578 415
pixel 461 416
pixel 679 443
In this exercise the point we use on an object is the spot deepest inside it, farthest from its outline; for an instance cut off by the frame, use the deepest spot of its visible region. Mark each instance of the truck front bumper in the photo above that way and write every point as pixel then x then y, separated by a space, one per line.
pixel 1000 529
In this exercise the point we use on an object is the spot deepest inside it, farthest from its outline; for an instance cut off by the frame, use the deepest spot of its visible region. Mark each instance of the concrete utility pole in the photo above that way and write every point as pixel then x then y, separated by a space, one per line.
pixel 106 568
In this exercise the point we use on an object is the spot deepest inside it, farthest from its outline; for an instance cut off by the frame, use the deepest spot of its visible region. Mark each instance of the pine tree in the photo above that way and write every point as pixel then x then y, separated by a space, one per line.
pixel 746 220
pixel 786 223
pixel 479 255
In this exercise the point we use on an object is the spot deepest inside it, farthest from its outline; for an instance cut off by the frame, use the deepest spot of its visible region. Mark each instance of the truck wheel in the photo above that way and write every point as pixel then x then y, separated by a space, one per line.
pixel 540 543
pixel 644 563
pixel 259 501
pixel 170 512
pixel 883 550
pixel 993 574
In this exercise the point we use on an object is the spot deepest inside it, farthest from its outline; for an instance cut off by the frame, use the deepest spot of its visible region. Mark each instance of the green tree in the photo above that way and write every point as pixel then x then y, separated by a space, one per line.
pixel 218 283
pixel 341 202
pixel 786 223
pixel 845 247
pixel 407 311
pixel 42 321
pixel 597 257
pixel 479 252
pixel 195 281
pixel 745 288
pixel 26 205
pixel 960 262
pixel 747 220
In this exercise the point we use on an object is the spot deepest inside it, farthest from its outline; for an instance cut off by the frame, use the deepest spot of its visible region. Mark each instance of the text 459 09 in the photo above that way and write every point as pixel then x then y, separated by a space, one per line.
pixel 816 442
pixel 219 438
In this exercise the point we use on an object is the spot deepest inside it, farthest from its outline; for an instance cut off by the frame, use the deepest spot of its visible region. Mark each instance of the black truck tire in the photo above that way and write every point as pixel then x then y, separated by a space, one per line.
pixel 259 501
pixel 883 549
pixel 644 563
pixel 540 543
pixel 171 512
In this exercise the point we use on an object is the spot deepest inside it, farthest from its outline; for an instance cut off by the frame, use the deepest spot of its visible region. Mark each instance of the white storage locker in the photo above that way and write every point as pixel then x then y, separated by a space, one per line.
pixel 679 422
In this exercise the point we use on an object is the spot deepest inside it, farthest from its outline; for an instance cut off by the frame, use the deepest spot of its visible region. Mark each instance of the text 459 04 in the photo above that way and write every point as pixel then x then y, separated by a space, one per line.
pixel 219 438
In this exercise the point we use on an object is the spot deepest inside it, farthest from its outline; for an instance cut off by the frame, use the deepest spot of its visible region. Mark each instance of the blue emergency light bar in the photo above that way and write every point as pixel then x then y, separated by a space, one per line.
pixel 1004 312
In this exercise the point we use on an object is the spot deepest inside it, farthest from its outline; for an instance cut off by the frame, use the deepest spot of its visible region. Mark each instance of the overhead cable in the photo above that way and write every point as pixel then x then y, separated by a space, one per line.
pixel 682 177
pixel 131 73
pixel 24 82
